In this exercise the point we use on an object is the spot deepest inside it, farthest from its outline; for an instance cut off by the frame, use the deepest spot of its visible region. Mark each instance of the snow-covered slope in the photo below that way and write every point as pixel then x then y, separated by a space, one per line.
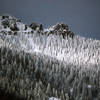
pixel 78 50
pixel 56 42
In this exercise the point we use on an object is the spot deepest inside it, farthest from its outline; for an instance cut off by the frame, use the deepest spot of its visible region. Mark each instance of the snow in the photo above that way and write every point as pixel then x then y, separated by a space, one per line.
pixel 77 51
pixel 89 86
pixel 53 98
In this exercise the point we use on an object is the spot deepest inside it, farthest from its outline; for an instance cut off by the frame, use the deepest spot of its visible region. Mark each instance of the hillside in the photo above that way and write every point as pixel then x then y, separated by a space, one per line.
pixel 39 64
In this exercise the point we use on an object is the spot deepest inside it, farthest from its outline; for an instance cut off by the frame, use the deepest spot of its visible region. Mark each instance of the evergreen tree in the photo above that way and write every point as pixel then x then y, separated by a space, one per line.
pixel 48 90
pixel 67 97
pixel 62 95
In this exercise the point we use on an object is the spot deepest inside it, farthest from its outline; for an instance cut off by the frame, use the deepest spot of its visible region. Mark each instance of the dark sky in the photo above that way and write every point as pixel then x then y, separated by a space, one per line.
pixel 82 16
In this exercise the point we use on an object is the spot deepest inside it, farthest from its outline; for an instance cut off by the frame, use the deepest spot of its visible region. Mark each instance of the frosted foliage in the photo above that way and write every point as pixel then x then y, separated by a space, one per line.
pixel 77 51
pixel 39 66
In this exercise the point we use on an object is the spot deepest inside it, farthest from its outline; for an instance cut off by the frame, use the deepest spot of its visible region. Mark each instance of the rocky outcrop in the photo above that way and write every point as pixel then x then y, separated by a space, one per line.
pixel 61 29
pixel 15 25
pixel 9 25
pixel 36 26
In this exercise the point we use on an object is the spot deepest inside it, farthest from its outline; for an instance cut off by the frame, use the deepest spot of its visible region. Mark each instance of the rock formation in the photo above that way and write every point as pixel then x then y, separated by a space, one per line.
pixel 61 29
